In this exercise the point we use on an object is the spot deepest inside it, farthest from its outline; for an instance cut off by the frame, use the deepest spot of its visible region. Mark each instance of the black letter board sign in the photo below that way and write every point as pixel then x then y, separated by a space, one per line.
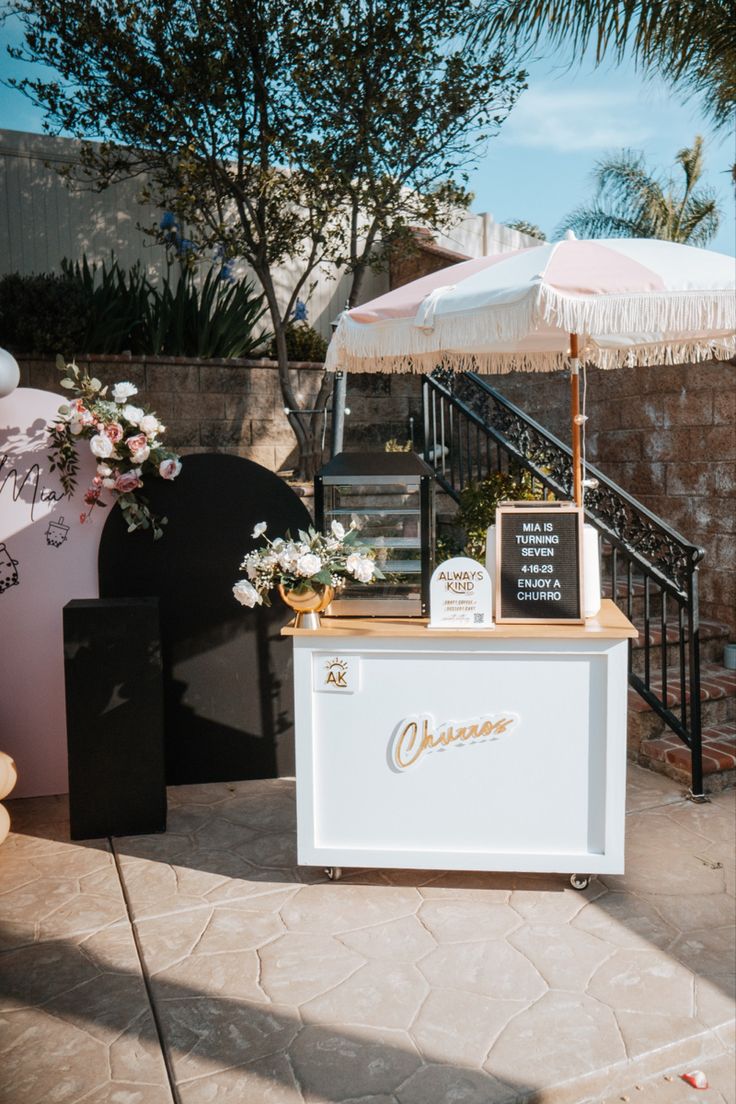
pixel 539 563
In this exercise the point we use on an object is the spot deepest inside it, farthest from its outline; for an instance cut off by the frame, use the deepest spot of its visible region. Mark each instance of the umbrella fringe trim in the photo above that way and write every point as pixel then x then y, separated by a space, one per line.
pixel 671 313
pixel 502 363
pixel 679 316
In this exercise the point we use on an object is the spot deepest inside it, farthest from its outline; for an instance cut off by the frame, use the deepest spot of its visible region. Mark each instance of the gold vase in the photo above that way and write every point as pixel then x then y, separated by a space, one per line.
pixel 307 604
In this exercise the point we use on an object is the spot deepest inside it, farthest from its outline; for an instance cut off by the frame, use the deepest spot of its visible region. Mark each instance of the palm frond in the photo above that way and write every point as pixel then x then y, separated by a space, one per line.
pixel 691 45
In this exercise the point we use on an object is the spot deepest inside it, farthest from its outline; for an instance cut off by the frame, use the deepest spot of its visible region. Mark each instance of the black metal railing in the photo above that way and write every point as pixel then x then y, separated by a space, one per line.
pixel 649 570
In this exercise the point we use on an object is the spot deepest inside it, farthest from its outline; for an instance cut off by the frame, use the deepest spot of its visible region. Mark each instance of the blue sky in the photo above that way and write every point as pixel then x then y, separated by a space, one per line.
pixel 539 166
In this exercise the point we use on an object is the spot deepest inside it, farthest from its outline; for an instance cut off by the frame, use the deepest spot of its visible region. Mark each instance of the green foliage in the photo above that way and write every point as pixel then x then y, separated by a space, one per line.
pixel 478 502
pixel 214 320
pixel 115 304
pixel 275 132
pixel 42 313
pixel 525 227
pixel 631 202
pixel 110 310
pixel 398 109
pixel 691 44
pixel 302 343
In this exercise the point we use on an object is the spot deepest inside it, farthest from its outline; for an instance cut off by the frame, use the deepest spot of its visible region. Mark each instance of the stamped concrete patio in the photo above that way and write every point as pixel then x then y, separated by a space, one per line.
pixel 204 966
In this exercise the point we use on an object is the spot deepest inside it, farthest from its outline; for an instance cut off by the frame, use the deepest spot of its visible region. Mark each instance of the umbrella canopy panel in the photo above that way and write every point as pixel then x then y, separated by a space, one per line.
pixel 630 301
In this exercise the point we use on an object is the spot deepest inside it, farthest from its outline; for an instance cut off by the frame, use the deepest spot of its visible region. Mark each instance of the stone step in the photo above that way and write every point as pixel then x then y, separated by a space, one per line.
pixel 652 743
pixel 716 684
pixel 670 756
pixel 714 635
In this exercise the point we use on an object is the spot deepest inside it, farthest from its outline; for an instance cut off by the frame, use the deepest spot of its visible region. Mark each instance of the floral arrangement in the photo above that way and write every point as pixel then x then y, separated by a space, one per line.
pixel 314 561
pixel 125 439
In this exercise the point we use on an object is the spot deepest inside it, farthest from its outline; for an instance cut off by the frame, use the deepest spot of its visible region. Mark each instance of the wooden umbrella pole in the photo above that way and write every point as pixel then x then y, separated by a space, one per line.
pixel 577 479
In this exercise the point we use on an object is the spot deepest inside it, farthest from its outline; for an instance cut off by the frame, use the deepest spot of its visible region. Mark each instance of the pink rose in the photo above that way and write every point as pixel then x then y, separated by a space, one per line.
pixel 139 447
pixel 80 413
pixel 127 482
pixel 114 431
pixel 169 469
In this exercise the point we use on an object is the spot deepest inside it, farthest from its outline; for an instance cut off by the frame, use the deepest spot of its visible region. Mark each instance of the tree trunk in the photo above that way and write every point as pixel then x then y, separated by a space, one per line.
pixel 307 428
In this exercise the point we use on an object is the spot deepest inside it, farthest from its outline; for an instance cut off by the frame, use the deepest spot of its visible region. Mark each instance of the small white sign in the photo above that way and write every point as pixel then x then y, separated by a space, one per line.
pixel 460 595
pixel 336 674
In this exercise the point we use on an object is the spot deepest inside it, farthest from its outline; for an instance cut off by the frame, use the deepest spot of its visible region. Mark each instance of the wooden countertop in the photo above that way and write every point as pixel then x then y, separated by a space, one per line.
pixel 610 623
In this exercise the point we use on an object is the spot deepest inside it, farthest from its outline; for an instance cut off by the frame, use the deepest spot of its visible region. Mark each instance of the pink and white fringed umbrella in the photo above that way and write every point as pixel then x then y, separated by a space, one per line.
pixel 614 302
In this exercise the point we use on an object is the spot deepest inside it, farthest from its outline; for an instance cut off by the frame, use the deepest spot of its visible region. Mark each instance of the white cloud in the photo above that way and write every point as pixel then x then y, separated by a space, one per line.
pixel 566 120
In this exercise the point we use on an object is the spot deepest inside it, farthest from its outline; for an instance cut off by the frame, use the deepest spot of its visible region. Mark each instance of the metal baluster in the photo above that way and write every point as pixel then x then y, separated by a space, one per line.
pixel 647 630
pixel 696 734
pixel 442 437
pixel 683 662
pixel 426 416
pixel 460 480
pixel 663 627
pixel 630 607
pixel 614 575
pixel 468 452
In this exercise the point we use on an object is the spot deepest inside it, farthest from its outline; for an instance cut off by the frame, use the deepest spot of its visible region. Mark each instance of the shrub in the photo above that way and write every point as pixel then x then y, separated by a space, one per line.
pixel 478 502
pixel 302 343
pixel 218 319
pixel 106 309
pixel 42 313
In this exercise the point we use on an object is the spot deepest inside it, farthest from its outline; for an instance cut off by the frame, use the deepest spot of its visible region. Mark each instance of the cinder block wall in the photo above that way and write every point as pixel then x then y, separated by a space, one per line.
pixel 236 406
pixel 665 434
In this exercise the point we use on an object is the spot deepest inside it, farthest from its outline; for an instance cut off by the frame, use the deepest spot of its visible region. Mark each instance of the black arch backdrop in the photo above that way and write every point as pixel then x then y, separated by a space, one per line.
pixel 228 694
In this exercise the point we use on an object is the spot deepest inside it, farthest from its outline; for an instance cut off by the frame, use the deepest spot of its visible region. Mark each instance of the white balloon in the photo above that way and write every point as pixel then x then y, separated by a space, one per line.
pixel 9 373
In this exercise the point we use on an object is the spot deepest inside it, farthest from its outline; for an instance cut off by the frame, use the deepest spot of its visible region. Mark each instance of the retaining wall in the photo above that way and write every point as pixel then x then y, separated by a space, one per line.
pixel 665 434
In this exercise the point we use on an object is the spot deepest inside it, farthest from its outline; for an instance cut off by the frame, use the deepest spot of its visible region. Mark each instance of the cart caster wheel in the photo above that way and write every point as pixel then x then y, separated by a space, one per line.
pixel 334 873
pixel 580 881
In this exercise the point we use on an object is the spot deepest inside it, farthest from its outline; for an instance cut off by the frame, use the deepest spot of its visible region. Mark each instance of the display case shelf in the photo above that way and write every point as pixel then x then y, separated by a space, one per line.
pixel 391 497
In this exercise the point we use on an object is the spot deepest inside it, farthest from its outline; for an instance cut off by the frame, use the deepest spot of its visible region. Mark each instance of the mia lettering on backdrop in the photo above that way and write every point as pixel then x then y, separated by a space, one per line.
pixel 47 557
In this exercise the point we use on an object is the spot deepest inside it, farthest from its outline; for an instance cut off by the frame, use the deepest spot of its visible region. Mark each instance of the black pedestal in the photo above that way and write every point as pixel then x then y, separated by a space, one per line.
pixel 114 710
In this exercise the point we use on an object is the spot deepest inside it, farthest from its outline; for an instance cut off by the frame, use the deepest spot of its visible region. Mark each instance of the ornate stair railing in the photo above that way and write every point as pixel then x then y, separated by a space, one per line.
pixel 650 570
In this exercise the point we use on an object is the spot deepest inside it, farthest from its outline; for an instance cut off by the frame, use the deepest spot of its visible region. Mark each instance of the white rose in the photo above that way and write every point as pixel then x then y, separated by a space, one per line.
pixel 308 565
pixel 149 424
pixel 101 446
pixel 338 530
pixel 123 391
pixel 287 559
pixel 247 594
pixel 261 527
pixel 361 567
pixel 133 414
pixel 76 425
pixel 104 470
pixel 169 469
pixel 108 483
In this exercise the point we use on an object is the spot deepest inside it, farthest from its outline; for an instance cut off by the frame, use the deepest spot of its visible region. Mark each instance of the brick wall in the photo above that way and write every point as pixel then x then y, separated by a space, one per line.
pixel 666 434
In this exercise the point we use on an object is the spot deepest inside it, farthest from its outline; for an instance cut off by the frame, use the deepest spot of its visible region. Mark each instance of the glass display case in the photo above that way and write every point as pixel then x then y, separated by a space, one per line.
pixel 390 495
